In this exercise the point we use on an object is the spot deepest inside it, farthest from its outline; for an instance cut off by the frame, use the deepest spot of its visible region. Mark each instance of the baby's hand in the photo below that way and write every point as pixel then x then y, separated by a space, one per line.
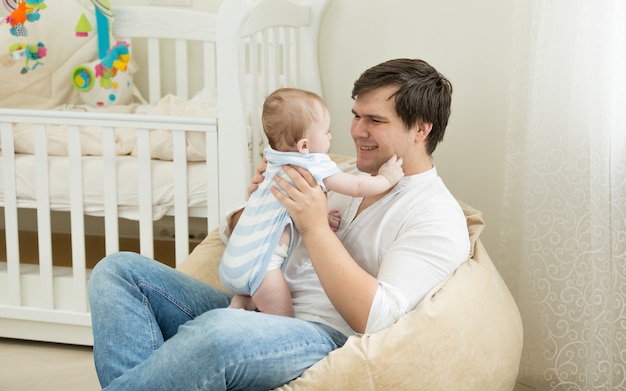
pixel 392 170
pixel 334 219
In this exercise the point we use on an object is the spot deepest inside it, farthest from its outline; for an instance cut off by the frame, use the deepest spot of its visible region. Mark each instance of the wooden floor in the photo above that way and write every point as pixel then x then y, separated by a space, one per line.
pixel 36 366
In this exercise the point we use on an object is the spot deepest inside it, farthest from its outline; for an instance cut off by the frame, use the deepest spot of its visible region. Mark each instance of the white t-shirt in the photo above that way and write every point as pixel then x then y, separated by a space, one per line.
pixel 411 240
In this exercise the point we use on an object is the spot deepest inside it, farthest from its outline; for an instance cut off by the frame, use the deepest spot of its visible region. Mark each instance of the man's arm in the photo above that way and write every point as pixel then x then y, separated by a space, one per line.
pixel 350 288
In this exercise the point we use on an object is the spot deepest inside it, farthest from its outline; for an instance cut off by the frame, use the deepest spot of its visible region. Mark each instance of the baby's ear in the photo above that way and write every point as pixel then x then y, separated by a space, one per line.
pixel 303 145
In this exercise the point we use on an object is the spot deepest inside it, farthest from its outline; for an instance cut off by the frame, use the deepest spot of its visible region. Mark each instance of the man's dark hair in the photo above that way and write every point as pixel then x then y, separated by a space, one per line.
pixel 424 95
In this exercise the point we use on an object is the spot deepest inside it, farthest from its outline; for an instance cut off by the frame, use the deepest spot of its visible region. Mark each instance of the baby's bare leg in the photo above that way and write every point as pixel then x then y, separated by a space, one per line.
pixel 273 296
pixel 242 302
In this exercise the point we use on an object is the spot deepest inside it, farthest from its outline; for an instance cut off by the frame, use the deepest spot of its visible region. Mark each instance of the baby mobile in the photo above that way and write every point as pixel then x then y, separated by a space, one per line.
pixel 111 60
pixel 22 11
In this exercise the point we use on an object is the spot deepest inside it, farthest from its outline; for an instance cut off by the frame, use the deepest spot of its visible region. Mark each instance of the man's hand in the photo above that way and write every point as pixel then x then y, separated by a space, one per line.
pixel 306 201
pixel 258 178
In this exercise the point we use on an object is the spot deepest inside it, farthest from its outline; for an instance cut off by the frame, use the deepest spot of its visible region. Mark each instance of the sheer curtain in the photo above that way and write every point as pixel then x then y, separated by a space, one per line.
pixel 563 252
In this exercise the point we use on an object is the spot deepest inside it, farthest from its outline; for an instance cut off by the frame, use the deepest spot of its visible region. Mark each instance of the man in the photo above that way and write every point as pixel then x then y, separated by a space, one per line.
pixel 155 328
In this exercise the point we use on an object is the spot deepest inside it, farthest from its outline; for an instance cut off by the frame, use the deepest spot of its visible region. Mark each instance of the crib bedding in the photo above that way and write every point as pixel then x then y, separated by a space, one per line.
pixel 202 105
pixel 93 185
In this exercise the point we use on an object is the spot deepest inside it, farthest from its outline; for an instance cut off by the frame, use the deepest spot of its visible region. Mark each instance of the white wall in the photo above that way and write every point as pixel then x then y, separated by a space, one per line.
pixel 468 41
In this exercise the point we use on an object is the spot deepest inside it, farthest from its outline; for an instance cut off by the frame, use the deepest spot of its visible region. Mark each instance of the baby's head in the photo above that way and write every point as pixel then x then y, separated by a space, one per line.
pixel 296 120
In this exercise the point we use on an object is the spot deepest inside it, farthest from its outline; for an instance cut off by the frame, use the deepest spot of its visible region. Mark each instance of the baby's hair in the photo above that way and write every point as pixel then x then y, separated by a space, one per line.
pixel 287 114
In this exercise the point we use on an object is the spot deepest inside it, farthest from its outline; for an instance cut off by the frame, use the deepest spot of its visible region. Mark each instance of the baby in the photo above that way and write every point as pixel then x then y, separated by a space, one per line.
pixel 297 125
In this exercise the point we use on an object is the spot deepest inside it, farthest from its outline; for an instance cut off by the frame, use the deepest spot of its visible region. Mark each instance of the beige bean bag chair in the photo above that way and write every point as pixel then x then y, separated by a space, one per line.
pixel 465 335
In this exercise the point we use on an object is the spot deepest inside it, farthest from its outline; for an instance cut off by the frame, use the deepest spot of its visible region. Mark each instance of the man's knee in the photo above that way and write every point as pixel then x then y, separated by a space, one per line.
pixel 108 269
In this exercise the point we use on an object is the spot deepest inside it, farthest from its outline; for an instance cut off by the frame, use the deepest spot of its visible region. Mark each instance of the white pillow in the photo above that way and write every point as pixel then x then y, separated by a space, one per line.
pixel 202 105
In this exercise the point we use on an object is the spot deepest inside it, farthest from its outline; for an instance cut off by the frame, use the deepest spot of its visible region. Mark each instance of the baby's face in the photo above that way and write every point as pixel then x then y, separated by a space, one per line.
pixel 319 132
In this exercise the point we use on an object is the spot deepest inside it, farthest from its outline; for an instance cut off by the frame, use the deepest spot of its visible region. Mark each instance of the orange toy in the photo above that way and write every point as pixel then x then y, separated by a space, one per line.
pixel 18 16
pixel 21 15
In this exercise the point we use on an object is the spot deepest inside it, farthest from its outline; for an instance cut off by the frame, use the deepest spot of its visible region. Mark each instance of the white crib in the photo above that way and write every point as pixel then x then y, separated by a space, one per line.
pixel 249 48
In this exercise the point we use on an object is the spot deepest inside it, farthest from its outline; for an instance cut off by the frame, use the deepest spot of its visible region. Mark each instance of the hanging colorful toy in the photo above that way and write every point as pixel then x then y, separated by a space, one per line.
pixel 22 12
pixel 83 27
pixel 29 52
pixel 110 87
pixel 116 60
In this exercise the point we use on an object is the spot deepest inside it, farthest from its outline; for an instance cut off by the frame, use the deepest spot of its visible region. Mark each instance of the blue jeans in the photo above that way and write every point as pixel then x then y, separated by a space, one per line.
pixel 158 329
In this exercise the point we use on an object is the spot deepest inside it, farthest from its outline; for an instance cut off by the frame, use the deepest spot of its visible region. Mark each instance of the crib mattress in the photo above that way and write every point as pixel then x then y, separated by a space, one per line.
pixel 94 185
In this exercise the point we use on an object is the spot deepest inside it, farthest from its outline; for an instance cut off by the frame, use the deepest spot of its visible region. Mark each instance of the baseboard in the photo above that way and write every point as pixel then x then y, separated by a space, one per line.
pixel 164 249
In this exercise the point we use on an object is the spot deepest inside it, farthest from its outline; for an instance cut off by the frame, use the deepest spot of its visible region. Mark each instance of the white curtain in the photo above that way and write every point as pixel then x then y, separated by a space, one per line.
pixel 563 251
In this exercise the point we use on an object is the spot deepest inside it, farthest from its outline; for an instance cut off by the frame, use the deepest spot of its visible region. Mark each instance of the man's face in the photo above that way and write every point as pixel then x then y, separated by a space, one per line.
pixel 376 129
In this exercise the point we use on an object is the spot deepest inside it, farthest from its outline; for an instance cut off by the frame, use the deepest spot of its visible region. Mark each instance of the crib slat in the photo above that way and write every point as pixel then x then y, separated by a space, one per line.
pixel 296 65
pixel 44 230
pixel 208 51
pixel 265 61
pixel 181 212
pixel 287 56
pixel 109 171
pixel 275 61
pixel 144 191
pixel 182 88
pixel 212 191
pixel 254 86
pixel 154 70
pixel 10 215
pixel 79 272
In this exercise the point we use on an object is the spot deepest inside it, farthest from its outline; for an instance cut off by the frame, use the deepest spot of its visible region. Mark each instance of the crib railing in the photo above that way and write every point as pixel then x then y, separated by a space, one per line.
pixel 34 299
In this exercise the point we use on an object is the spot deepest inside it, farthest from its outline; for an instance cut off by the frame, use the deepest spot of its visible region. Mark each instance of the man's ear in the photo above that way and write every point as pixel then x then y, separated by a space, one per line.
pixel 423 130
pixel 303 145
